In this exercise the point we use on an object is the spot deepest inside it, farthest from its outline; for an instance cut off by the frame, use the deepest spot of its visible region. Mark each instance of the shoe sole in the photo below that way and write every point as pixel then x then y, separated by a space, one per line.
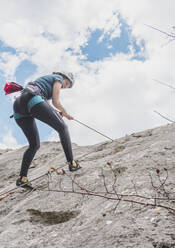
pixel 74 169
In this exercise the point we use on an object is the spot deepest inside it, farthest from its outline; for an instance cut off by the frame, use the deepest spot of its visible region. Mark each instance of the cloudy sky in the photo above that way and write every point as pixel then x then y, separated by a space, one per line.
pixel 108 47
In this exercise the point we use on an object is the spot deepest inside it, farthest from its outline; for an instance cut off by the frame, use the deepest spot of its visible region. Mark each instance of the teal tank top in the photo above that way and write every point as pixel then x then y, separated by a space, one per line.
pixel 46 83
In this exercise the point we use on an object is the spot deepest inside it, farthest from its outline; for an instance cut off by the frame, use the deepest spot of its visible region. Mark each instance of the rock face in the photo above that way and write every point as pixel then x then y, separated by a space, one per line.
pixel 138 167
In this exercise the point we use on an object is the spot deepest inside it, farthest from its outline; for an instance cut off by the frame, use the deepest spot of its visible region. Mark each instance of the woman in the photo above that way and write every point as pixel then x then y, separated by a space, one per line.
pixel 32 103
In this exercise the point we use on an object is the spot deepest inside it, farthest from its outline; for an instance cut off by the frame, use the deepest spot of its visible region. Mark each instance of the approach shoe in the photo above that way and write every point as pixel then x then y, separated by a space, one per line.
pixel 74 166
pixel 24 183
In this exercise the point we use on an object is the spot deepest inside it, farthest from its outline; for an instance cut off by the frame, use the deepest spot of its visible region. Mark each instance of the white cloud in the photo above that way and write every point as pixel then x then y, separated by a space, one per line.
pixel 8 140
pixel 115 95
pixel 9 63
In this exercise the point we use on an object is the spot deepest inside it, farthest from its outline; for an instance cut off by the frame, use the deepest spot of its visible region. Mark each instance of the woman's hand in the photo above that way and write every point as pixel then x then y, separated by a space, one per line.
pixel 55 100
pixel 69 117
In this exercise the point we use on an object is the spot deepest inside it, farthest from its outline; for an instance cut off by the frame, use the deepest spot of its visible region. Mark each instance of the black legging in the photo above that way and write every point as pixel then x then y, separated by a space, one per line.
pixel 45 113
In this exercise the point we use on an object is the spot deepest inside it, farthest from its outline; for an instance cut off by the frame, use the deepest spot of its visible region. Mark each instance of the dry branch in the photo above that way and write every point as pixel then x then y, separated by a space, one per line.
pixel 114 196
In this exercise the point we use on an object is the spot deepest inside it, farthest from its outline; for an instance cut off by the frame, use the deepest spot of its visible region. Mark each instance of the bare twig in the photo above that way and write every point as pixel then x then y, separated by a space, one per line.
pixel 162 182
pixel 161 31
pixel 155 200
pixel 134 186
pixel 165 84
pixel 104 181
pixel 164 117
pixel 49 177
pixel 75 182
pixel 109 164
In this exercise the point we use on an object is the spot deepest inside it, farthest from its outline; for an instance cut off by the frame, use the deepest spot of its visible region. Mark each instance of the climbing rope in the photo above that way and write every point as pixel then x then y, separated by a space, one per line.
pixel 93 130
pixel 86 126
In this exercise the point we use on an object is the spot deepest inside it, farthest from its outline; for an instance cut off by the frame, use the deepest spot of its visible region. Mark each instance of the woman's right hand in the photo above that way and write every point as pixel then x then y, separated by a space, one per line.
pixel 55 100
pixel 69 117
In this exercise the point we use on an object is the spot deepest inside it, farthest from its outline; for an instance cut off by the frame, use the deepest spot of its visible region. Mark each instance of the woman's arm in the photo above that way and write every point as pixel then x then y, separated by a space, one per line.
pixel 56 102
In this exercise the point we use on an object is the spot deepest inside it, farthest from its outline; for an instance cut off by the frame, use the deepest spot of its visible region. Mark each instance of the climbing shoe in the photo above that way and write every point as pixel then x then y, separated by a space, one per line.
pixel 24 183
pixel 74 166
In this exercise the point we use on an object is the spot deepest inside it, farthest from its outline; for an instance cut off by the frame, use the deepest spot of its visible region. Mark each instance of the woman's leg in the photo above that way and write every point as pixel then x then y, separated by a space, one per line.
pixel 28 126
pixel 45 113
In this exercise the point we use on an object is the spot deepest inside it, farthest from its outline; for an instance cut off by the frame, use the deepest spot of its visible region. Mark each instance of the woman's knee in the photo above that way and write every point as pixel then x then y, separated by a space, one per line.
pixel 60 126
pixel 63 127
pixel 38 146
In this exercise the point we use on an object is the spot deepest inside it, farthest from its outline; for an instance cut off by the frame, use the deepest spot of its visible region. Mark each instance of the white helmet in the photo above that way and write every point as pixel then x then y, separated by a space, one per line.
pixel 70 76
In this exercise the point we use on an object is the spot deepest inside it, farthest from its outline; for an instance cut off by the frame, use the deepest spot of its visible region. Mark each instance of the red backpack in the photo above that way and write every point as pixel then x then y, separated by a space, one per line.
pixel 12 87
